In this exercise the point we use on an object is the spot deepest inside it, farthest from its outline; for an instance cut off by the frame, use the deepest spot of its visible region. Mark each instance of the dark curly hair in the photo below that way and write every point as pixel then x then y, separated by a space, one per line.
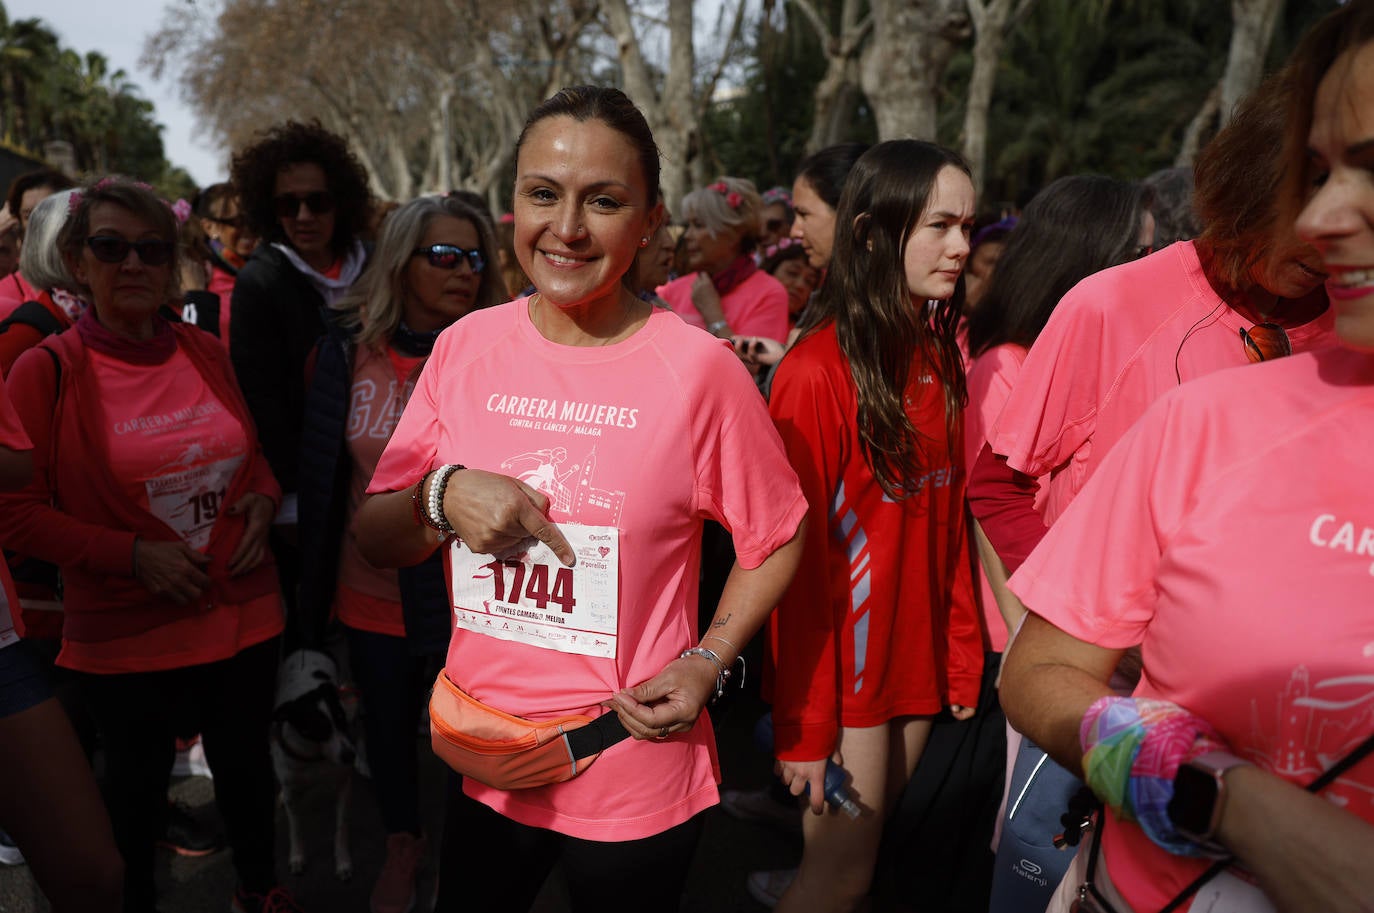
pixel 254 172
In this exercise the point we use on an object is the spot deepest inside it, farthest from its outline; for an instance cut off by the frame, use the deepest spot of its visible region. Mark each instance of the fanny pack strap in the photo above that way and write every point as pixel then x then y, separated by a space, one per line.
pixel 598 735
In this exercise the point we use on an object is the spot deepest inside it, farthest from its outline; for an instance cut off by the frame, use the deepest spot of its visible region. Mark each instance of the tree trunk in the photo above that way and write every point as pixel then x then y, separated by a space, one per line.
pixel 903 64
pixel 1251 31
pixel 991 22
pixel 1197 128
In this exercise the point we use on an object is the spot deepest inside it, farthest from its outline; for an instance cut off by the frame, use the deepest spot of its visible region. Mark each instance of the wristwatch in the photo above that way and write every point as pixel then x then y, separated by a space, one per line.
pixel 1199 787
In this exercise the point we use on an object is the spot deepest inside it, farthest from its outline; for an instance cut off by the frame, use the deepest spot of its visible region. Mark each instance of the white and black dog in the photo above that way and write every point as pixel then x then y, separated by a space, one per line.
pixel 311 744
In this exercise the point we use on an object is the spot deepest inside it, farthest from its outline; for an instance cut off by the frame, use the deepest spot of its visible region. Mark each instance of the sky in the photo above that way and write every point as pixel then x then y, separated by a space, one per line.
pixel 118 31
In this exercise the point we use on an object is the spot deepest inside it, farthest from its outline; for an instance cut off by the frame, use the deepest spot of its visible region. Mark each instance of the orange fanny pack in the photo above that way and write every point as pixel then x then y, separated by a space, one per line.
pixel 509 752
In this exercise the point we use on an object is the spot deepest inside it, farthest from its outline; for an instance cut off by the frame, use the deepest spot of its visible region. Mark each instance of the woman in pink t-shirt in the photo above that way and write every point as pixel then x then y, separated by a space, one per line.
pixel 565 449
pixel 879 630
pixel 726 293
pixel 152 497
pixel 434 262
pixel 1250 600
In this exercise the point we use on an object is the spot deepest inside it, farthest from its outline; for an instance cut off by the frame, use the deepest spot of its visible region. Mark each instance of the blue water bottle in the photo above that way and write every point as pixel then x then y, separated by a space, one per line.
pixel 835 793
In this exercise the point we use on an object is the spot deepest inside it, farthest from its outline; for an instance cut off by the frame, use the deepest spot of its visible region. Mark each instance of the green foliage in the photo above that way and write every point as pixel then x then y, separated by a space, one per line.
pixel 49 93
pixel 760 133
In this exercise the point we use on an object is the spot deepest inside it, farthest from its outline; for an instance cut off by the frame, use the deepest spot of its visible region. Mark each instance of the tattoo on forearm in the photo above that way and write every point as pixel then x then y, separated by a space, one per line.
pixel 722 622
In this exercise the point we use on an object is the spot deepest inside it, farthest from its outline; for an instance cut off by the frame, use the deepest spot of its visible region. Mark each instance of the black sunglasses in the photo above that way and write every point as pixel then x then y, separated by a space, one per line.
pixel 448 256
pixel 238 221
pixel 1265 342
pixel 109 249
pixel 289 204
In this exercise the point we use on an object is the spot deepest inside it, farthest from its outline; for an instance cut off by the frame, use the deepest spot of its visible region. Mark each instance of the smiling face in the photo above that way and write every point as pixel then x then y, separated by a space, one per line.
pixel 581 207
pixel 938 245
pixel 436 297
pixel 307 231
pixel 814 225
pixel 1339 218
pixel 131 291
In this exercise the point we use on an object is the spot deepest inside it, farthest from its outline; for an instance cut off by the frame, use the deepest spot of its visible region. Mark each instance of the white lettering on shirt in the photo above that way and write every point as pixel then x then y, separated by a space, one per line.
pixel 1331 532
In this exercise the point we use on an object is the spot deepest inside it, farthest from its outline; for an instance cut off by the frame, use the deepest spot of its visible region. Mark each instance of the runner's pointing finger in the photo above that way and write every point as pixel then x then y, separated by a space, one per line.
pixel 544 529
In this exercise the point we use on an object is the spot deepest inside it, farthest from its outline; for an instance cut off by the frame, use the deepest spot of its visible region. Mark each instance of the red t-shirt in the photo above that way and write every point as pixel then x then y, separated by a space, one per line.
pixel 881 619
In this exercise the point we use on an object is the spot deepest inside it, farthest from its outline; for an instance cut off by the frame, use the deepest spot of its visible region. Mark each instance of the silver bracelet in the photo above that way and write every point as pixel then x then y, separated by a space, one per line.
pixel 434 505
pixel 723 671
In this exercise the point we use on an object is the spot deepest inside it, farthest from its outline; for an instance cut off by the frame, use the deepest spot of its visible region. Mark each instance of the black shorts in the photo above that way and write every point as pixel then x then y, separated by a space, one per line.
pixel 23 679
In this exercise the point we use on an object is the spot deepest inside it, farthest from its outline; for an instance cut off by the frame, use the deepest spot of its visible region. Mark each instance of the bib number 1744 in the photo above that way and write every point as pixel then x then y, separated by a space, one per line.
pixel 531 584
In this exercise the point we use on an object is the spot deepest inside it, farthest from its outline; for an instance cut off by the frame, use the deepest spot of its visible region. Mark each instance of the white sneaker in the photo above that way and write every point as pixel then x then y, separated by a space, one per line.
pixel 190 761
pixel 769 886
pixel 9 853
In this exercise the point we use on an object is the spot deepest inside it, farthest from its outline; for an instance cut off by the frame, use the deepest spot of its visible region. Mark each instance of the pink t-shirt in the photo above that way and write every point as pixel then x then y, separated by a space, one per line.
pixel 1118 341
pixel 12 437
pixel 755 307
pixel 176 449
pixel 991 378
pixel 1231 535
pixel 645 439
pixel 369 598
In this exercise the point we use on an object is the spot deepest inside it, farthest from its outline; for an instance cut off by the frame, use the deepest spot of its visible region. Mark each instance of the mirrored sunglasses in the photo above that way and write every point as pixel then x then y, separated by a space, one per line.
pixel 1265 342
pixel 448 256
pixel 110 249
pixel 289 204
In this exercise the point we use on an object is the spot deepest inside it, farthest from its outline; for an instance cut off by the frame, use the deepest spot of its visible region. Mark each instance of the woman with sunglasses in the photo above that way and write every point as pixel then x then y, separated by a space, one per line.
pixel 435 261
pixel 725 292
pixel 151 495
pixel 228 243
pixel 305 195
pixel 585 415
pixel 1228 537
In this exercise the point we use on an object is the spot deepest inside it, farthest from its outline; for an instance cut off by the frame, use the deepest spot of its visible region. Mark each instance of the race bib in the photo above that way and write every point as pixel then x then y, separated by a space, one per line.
pixel 533 599
pixel 1228 893
pixel 189 501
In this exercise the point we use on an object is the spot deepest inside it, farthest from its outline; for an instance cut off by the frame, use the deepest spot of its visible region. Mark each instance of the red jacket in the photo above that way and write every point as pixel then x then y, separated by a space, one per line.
pixel 76 514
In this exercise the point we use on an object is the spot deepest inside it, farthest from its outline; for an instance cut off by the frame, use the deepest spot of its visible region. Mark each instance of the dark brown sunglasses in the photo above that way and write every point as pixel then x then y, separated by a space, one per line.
pixel 1265 342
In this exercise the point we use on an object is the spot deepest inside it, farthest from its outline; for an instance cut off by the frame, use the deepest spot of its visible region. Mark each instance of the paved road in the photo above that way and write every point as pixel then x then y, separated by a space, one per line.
pixel 729 850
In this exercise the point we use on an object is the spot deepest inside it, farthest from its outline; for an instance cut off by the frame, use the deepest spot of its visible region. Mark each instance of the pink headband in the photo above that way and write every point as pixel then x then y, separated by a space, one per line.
pixel 732 199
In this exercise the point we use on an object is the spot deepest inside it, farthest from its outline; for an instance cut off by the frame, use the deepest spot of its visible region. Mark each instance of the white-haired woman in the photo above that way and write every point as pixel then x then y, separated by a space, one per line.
pixel 727 294
pixel 435 262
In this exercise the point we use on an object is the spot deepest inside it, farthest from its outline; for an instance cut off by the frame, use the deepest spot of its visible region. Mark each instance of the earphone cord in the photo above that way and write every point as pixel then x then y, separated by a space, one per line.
pixel 1191 330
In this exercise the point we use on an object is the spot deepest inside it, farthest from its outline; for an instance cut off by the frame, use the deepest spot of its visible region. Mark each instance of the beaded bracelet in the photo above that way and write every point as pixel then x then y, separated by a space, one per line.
pixel 434 512
pixel 723 671
pixel 417 497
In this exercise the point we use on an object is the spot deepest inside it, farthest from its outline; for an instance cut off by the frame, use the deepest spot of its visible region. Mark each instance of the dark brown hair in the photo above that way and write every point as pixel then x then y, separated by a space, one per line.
pixel 44 177
pixel 880 331
pixel 1236 182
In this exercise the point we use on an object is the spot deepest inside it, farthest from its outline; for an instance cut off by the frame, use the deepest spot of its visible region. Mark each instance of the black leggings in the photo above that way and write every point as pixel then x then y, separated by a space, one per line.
pixel 489 862
pixel 138 715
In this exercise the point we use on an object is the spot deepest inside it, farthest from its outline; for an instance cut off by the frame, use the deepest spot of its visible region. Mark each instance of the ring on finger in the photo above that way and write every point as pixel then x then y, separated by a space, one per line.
pixel 662 733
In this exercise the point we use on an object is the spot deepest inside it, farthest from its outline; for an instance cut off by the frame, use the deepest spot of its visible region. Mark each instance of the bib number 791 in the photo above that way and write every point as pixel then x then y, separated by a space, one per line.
pixel 531 583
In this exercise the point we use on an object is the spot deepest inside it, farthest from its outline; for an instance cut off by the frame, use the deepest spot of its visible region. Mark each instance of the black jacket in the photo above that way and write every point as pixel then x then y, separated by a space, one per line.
pixel 275 319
